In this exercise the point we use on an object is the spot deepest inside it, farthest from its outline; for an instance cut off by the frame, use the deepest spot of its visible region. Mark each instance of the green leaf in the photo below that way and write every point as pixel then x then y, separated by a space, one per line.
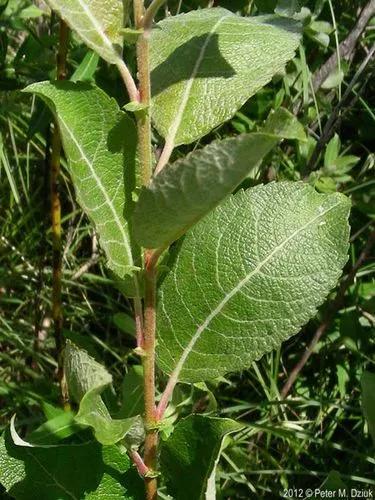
pixel 100 142
pixel 207 63
pixel 132 393
pixel 368 400
pixel 131 35
pixel 287 8
pixel 83 373
pixel 87 68
pixel 88 471
pixel 94 413
pixel 30 12
pixel 125 323
pixel 332 151
pixel 187 190
pixel 86 380
pixel 54 430
pixel 334 79
pixel 189 456
pixel 97 22
pixel 248 276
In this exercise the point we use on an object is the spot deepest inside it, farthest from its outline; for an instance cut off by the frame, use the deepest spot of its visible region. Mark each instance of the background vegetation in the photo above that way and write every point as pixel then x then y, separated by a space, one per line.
pixel 292 441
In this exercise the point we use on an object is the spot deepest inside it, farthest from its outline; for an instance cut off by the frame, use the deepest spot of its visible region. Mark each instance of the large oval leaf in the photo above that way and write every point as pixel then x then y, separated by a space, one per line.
pixel 87 470
pixel 100 142
pixel 248 276
pixel 207 63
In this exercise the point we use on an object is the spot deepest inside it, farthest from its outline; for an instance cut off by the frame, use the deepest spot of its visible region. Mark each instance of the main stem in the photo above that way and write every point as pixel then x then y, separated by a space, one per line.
pixel 149 320
pixel 57 315
pixel 151 440
pixel 144 118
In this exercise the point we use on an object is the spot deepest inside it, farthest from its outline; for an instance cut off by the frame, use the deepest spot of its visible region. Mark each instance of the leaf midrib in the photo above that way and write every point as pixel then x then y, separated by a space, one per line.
pixel 46 471
pixel 200 330
pixel 97 28
pixel 173 129
pixel 103 191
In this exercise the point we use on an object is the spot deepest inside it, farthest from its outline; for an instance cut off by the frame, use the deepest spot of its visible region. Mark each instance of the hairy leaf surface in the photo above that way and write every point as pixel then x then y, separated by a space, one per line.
pixel 88 471
pixel 99 141
pixel 189 456
pixel 184 192
pixel 83 373
pixel 248 276
pixel 207 63
pixel 97 22
pixel 86 380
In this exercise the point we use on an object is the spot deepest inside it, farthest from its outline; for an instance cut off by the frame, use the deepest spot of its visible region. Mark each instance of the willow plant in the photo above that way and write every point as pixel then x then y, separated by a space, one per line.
pixel 217 279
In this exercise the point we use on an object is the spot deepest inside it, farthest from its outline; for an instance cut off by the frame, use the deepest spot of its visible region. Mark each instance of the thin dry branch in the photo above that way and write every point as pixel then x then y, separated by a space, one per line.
pixel 346 47
pixel 331 124
pixel 333 308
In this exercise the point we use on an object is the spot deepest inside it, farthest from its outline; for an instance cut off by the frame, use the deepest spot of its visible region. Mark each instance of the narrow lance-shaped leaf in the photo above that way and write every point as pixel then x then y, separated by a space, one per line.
pixel 189 457
pixel 87 471
pixel 100 142
pixel 184 192
pixel 97 22
pixel 207 63
pixel 248 276
pixel 54 430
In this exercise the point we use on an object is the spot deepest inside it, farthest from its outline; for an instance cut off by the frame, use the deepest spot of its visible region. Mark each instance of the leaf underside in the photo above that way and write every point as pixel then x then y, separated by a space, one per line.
pixel 86 380
pixel 207 63
pixel 248 276
pixel 97 22
pixel 82 372
pixel 100 142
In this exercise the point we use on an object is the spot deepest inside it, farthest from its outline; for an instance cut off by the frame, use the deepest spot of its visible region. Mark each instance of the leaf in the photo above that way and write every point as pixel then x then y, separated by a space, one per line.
pixel 30 12
pixel 87 68
pixel 132 393
pixel 189 456
pixel 368 400
pixel 287 8
pixel 98 140
pixel 86 380
pixel 131 35
pixel 332 151
pixel 89 471
pixel 94 413
pixel 187 190
pixel 82 372
pixel 248 276
pixel 207 63
pixel 97 22
pixel 334 79
pixel 54 430
pixel 124 322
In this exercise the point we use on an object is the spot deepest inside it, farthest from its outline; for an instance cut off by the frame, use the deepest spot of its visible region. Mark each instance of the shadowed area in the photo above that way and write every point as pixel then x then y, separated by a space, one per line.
pixel 213 64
